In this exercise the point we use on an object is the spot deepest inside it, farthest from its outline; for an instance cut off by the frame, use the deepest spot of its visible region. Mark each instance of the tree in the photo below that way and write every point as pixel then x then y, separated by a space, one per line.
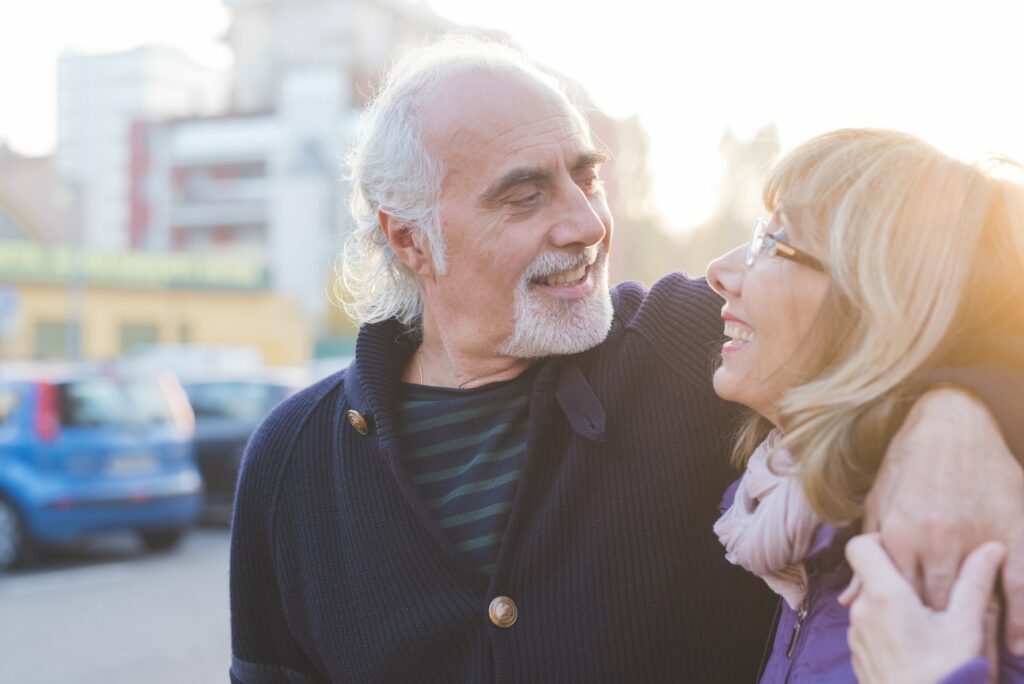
pixel 739 201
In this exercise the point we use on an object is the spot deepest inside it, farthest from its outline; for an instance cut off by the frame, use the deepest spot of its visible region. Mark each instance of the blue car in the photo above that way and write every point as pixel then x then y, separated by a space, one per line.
pixel 88 453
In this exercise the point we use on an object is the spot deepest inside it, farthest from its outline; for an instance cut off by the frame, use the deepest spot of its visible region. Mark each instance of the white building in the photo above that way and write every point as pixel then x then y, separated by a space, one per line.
pixel 268 178
pixel 99 98
pixel 356 38
pixel 161 154
pixel 264 184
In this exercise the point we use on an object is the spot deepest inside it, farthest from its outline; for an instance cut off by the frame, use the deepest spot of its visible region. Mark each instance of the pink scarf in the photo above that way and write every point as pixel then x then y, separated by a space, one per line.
pixel 769 527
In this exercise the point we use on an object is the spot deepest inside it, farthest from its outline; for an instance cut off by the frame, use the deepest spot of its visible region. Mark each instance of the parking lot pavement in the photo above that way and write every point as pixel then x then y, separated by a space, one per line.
pixel 110 613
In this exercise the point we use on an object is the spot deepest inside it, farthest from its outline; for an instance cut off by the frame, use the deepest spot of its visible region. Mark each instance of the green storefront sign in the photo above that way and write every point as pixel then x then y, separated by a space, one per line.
pixel 32 262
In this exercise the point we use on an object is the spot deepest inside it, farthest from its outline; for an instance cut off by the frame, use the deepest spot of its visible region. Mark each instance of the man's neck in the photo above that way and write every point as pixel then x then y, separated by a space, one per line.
pixel 440 362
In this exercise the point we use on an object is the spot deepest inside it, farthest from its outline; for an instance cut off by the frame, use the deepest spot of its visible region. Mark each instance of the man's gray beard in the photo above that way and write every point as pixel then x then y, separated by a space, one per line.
pixel 549 326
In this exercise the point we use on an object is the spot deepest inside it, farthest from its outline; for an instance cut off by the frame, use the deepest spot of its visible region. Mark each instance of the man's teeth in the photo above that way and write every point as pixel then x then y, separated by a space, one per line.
pixel 737 333
pixel 566 277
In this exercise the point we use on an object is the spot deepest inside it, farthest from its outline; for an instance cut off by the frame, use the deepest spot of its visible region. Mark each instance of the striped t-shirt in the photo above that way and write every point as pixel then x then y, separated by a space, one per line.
pixel 464 451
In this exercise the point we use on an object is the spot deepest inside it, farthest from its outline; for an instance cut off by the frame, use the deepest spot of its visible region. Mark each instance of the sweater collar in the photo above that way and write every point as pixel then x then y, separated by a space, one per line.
pixel 383 350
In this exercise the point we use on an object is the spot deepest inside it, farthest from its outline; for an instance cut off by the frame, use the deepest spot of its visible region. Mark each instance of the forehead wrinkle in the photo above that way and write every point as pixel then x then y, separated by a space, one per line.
pixel 522 139
pixel 550 124
pixel 496 132
pixel 531 154
pixel 535 154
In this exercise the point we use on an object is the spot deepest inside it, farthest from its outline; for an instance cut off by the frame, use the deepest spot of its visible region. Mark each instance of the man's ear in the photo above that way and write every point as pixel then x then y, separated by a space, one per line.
pixel 409 245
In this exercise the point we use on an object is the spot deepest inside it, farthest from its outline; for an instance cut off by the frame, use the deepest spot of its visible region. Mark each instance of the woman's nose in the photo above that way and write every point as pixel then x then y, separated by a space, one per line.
pixel 725 274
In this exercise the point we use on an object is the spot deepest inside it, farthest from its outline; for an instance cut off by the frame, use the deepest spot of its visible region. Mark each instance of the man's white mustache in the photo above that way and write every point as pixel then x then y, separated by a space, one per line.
pixel 550 263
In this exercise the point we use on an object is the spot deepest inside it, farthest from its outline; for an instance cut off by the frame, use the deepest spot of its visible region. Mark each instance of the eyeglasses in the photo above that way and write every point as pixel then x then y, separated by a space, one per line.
pixel 762 241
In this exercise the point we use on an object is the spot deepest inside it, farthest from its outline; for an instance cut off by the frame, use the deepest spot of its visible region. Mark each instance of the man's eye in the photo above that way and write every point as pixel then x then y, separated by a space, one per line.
pixel 591 185
pixel 526 201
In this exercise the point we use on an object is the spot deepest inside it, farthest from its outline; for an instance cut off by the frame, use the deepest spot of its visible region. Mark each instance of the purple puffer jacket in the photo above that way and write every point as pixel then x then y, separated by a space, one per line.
pixel 810 645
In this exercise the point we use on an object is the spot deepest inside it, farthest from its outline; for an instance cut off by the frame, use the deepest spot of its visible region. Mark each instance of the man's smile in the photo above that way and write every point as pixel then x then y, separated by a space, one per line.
pixel 569 277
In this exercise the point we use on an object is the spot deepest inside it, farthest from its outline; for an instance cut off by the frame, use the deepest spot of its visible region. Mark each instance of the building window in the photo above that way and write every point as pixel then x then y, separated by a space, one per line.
pixel 52 340
pixel 135 335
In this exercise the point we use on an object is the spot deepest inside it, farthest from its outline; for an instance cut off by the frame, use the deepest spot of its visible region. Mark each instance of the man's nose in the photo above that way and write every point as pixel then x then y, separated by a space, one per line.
pixel 725 274
pixel 583 220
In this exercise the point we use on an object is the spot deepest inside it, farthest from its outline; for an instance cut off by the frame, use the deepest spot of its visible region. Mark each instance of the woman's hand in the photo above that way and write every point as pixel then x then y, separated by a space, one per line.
pixel 896 638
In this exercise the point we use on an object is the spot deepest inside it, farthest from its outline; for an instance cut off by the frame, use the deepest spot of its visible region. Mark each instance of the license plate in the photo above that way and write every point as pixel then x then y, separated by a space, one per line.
pixel 131 465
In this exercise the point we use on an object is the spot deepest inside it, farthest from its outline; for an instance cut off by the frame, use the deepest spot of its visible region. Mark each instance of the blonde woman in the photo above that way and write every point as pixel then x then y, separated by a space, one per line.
pixel 882 260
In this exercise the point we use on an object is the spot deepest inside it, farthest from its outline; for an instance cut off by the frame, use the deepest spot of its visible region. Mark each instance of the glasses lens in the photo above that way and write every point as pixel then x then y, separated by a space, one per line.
pixel 756 242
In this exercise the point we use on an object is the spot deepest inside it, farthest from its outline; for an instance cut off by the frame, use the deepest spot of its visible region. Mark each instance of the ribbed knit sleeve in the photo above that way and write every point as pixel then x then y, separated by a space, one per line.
pixel 998 380
pixel 681 318
pixel 263 648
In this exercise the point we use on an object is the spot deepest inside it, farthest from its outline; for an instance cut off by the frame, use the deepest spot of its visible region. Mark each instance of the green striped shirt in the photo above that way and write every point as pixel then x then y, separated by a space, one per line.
pixel 464 450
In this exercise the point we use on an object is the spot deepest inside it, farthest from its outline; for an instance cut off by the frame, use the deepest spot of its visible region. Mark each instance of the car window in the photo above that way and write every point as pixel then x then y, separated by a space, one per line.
pixel 8 404
pixel 105 401
pixel 249 401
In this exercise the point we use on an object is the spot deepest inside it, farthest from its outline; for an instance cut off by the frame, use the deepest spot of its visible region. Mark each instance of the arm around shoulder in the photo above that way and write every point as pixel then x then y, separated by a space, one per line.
pixel 680 317
pixel 997 380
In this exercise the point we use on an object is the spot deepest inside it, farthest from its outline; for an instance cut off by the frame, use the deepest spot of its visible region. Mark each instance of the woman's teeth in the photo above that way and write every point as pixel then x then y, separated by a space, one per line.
pixel 565 277
pixel 739 333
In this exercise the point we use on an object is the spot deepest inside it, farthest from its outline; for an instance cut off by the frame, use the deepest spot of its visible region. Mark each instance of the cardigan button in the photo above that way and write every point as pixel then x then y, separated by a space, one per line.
pixel 503 612
pixel 357 421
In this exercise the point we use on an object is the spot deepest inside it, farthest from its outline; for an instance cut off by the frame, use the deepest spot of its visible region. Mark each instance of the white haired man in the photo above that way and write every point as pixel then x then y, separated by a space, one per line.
pixel 516 479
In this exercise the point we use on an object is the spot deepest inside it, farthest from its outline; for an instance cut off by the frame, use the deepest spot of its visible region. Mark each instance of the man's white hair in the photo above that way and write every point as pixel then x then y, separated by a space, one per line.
pixel 392 171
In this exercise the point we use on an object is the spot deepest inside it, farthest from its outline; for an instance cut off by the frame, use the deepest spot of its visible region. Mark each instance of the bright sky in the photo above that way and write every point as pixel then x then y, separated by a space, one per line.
pixel 949 71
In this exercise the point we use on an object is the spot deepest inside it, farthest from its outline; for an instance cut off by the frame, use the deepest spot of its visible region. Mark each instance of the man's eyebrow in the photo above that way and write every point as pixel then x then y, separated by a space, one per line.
pixel 513 178
pixel 593 157
pixel 526 175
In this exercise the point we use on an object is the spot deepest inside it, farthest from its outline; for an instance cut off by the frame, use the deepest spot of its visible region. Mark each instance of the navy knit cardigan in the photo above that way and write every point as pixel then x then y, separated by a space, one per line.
pixel 339 572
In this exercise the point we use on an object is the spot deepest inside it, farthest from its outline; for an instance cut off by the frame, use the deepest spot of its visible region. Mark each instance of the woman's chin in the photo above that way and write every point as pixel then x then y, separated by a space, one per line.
pixel 725 385
pixel 734 389
pixel 757 398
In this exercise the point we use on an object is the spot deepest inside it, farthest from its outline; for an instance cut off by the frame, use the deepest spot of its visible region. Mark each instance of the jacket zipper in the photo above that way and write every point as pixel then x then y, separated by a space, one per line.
pixel 794 636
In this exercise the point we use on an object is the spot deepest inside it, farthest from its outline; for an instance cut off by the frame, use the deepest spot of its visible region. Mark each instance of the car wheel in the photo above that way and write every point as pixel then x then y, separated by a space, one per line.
pixel 15 544
pixel 161 540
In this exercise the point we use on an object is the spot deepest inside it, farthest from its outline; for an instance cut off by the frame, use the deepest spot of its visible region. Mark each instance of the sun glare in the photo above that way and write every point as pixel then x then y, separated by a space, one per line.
pixel 688 72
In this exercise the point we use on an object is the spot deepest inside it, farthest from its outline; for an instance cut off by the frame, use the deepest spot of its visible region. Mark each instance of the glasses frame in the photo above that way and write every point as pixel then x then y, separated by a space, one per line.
pixel 762 241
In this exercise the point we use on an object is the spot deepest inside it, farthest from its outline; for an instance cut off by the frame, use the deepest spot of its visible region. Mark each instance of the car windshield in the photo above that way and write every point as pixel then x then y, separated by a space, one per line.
pixel 106 401
pixel 249 401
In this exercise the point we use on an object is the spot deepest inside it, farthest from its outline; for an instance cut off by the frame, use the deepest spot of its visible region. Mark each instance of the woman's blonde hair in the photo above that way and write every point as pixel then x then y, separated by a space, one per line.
pixel 926 260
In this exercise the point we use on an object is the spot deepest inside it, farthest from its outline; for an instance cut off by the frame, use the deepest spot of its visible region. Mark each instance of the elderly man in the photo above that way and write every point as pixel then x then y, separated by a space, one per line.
pixel 516 478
